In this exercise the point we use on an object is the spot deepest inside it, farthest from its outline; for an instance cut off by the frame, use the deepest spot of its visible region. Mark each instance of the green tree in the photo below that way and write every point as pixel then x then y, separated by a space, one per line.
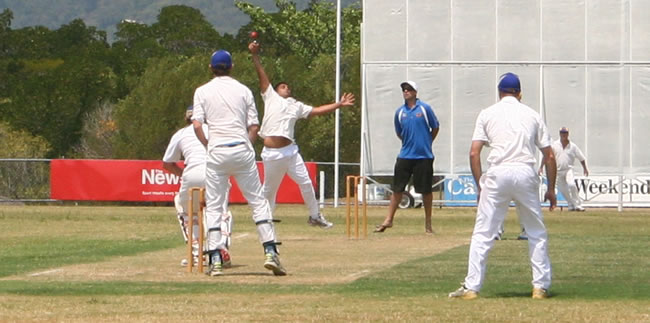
pixel 154 110
pixel 183 30
pixel 307 33
pixel 5 20
pixel 28 43
pixel 316 86
pixel 5 28
pixel 145 122
pixel 136 43
pixel 299 48
pixel 54 78
pixel 22 179
pixel 20 144
pixel 180 30
pixel 51 104
pixel 78 40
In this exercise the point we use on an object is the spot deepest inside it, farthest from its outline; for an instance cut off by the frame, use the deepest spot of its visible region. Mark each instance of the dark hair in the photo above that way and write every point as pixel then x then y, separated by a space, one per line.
pixel 220 71
pixel 278 84
pixel 510 91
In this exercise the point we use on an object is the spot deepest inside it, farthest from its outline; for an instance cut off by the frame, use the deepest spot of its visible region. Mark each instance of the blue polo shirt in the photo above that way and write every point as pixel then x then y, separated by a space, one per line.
pixel 414 129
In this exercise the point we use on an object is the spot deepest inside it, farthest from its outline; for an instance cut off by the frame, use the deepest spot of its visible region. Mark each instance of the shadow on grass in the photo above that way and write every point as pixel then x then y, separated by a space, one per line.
pixel 250 273
pixel 513 295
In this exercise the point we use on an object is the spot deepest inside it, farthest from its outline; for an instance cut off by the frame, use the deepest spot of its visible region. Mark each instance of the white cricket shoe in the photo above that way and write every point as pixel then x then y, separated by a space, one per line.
pixel 463 293
pixel 320 221
pixel 540 293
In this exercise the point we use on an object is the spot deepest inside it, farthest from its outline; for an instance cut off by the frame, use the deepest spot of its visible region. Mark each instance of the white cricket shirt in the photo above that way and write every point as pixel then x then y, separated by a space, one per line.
pixel 513 131
pixel 565 157
pixel 228 108
pixel 185 145
pixel 280 114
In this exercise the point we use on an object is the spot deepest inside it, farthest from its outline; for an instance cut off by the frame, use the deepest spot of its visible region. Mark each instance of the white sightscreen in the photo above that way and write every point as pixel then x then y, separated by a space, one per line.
pixel 583 64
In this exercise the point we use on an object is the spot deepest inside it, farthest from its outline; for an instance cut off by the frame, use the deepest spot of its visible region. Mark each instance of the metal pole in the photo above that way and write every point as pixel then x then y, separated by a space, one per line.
pixel 621 102
pixel 321 189
pixel 336 98
pixel 365 154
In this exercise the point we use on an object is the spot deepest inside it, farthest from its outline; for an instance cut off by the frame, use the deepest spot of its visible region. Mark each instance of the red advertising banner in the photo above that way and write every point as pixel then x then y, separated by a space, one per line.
pixel 138 180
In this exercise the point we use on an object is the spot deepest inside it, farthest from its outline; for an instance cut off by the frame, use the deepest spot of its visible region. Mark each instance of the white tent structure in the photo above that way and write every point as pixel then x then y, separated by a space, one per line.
pixel 584 64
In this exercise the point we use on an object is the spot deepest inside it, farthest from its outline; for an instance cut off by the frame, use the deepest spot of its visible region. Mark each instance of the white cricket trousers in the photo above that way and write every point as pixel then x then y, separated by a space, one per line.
pixel 239 162
pixel 194 177
pixel 566 184
pixel 499 186
pixel 287 160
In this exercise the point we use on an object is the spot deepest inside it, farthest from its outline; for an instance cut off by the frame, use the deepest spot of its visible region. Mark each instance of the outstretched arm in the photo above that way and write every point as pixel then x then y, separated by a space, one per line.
pixel 261 74
pixel 346 100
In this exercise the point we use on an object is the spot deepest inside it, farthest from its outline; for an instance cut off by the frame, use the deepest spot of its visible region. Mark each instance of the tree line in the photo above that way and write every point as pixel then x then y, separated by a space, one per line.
pixel 71 94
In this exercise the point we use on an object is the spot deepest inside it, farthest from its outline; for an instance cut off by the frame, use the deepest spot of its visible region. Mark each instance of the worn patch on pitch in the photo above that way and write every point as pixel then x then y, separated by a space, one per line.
pixel 320 257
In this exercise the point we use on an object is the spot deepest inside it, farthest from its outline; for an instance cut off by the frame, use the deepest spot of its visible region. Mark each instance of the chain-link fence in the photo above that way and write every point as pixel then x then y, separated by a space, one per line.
pixel 24 180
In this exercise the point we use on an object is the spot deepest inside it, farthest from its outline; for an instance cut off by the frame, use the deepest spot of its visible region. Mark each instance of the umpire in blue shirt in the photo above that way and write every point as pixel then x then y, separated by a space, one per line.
pixel 416 126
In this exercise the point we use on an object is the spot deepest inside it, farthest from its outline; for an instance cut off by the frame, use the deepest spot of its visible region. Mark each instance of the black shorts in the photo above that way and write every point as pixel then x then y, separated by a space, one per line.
pixel 422 171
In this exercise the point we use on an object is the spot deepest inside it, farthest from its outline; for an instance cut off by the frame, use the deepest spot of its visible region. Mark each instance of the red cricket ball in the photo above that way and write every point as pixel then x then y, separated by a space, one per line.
pixel 253 34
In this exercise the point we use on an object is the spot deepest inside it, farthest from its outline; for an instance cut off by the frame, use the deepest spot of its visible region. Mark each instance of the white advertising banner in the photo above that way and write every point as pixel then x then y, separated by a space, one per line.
pixel 593 190
pixel 598 190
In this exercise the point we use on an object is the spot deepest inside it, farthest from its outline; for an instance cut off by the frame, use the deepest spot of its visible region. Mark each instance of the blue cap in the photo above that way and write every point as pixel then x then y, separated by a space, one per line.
pixel 509 83
pixel 221 60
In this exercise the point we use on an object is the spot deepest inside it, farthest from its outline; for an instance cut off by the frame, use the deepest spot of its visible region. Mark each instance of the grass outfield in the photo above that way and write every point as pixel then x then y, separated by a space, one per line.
pixel 121 264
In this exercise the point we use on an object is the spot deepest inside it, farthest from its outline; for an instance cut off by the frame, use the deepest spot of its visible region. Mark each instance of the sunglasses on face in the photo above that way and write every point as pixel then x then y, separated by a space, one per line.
pixel 407 88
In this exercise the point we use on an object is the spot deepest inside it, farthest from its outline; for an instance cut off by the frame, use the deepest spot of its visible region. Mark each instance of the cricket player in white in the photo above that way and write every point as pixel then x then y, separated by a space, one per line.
pixel 228 107
pixel 186 146
pixel 280 154
pixel 566 153
pixel 513 131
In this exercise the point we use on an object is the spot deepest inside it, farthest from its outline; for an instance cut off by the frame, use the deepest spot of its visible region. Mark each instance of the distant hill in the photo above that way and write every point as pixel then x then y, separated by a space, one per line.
pixel 105 14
